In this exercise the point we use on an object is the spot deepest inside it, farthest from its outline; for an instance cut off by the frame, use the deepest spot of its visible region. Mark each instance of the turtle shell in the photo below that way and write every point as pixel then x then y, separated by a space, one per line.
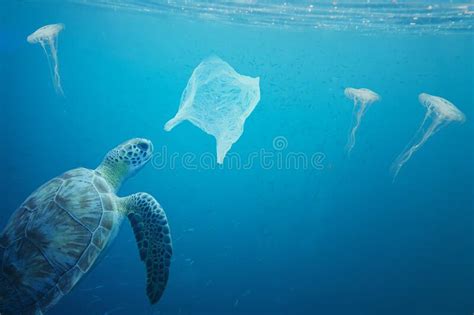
pixel 53 239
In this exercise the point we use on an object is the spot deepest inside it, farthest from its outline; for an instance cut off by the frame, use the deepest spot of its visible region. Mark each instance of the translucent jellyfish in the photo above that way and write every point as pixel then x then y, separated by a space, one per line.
pixel 362 99
pixel 47 37
pixel 439 113
pixel 218 100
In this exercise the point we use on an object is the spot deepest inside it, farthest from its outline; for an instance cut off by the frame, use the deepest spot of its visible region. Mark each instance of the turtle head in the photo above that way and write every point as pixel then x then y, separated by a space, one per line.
pixel 126 160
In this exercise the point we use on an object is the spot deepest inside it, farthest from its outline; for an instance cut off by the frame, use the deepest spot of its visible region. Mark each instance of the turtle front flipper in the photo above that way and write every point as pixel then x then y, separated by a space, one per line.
pixel 153 237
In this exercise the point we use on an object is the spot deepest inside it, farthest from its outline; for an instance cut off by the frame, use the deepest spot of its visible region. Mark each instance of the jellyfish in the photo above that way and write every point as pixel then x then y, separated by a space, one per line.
pixel 362 99
pixel 47 37
pixel 439 113
pixel 218 100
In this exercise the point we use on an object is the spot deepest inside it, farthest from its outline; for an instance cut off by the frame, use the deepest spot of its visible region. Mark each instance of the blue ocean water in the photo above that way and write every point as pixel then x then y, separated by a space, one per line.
pixel 334 239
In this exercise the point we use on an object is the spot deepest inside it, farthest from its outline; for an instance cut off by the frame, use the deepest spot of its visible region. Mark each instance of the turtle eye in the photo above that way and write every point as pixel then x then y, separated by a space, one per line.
pixel 143 146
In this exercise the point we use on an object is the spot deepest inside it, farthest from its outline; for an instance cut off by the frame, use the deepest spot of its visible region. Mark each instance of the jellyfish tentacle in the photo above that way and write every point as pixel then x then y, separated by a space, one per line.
pixel 48 58
pixel 43 45
pixel 358 118
pixel 419 132
pixel 354 107
pixel 54 56
pixel 407 154
pixel 351 140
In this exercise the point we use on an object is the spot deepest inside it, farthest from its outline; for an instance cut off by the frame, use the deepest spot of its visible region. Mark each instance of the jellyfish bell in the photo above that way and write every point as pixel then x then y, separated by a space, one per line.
pixel 45 33
pixel 362 95
pixel 46 36
pixel 444 109
pixel 439 113
pixel 362 98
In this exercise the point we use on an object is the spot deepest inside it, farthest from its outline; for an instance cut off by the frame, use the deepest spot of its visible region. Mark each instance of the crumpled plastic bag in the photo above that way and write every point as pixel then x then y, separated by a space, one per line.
pixel 218 100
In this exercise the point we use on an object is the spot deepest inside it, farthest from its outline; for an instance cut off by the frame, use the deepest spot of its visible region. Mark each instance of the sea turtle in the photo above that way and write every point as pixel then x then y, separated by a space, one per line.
pixel 58 233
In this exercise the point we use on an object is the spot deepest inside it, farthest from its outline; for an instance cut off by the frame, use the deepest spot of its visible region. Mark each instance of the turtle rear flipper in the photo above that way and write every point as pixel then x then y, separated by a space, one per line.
pixel 152 234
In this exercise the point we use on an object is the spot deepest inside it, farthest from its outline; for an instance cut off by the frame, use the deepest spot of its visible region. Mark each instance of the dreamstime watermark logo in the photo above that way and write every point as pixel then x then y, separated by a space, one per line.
pixel 277 158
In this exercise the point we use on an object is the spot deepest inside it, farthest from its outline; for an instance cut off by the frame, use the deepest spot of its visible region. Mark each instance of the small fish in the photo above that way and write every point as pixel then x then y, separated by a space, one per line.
pixel 236 303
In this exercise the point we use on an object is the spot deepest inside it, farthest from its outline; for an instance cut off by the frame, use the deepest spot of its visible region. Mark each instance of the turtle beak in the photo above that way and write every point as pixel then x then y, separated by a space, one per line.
pixel 150 145
pixel 150 148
